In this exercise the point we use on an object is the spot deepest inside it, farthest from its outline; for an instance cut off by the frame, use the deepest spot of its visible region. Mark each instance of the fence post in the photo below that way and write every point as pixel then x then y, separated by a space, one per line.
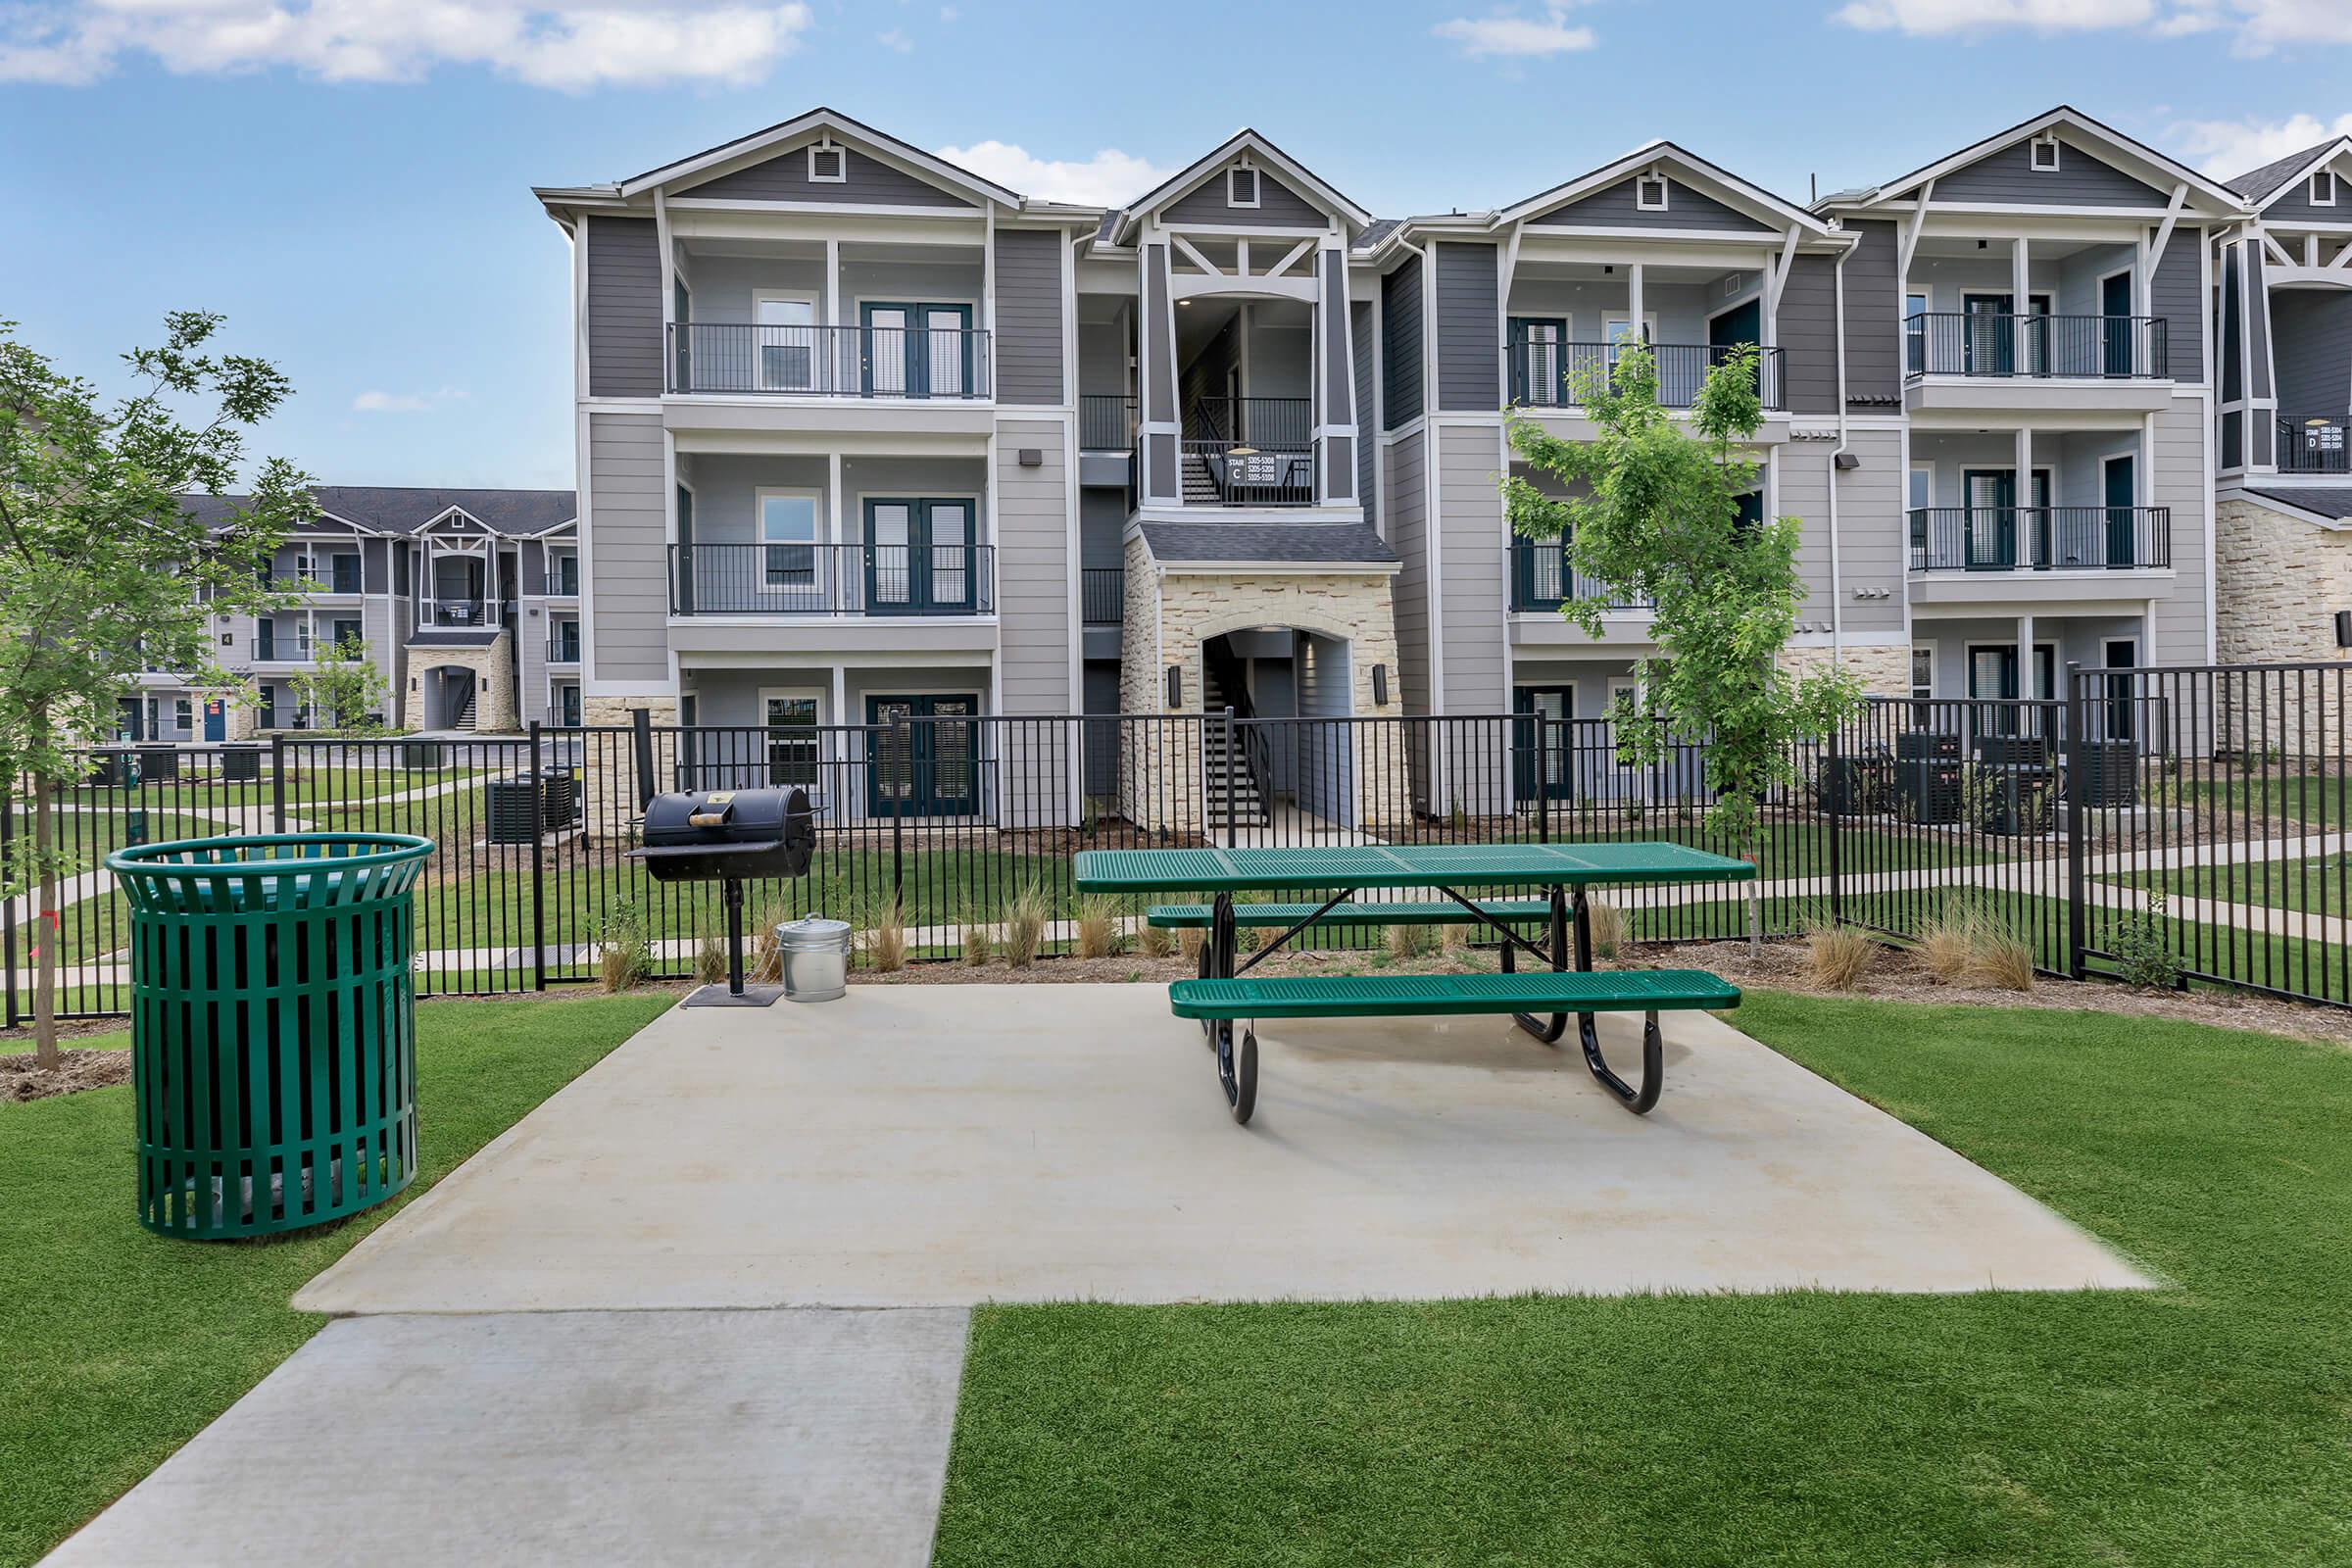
pixel 1837 803
pixel 1227 771
pixel 538 862
pixel 2077 844
pixel 8 906
pixel 1544 727
pixel 277 782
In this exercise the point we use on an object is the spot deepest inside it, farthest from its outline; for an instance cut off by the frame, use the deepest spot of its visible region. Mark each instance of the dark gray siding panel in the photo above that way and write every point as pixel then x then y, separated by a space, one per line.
pixel 2176 294
pixel 1029 325
pixel 624 309
pixel 1809 334
pixel 1685 208
pixel 2315 351
pixel 1401 354
pixel 1469 357
pixel 785 179
pixel 376 566
pixel 1367 446
pixel 1873 373
pixel 2258 325
pixel 2293 205
pixel 1278 206
pixel 2080 179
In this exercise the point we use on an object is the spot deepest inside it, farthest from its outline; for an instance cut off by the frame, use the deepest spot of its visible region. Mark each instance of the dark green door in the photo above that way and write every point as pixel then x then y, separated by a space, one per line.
pixel 1539 739
pixel 1990 542
pixel 2121 491
pixel 920 558
pixel 917 351
pixel 923 755
pixel 1742 323
pixel 2115 305
pixel 1989 346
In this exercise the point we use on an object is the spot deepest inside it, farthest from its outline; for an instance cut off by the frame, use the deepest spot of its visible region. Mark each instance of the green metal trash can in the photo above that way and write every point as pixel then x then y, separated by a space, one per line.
pixel 274 1045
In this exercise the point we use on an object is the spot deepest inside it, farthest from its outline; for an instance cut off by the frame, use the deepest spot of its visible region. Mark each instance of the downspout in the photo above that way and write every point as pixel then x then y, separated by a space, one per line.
pixel 1837 580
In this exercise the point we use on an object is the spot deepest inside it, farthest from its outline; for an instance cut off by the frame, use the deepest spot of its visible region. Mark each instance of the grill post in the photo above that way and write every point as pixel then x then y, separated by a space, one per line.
pixel 277 782
pixel 733 897
pixel 641 722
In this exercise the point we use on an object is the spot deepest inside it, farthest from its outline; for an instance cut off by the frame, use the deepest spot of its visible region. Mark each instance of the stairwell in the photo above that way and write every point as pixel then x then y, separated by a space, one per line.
pixel 1224 765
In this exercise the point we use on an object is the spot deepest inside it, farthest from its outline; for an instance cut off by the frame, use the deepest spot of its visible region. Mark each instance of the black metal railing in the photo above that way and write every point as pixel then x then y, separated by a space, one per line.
pixel 457 613
pixel 1232 473
pixel 1105 421
pixel 849 361
pixel 747 579
pixel 564 648
pixel 2039 538
pixel 1273 424
pixel 2315 443
pixel 1552 374
pixel 1542 580
pixel 1991 344
pixel 1102 594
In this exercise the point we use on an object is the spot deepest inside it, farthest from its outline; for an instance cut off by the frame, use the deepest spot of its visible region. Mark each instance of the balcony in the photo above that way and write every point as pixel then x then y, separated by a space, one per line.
pixel 1541 581
pixel 1106 423
pixel 468 613
pixel 938 364
pixel 563 646
pixel 832 581
pixel 2112 348
pixel 2315 444
pixel 1550 375
pixel 2040 539
pixel 1248 452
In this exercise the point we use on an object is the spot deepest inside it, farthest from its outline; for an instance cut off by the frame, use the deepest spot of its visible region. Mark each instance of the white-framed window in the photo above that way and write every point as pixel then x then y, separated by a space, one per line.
pixel 791 719
pixel 2045 154
pixel 790 526
pixel 184 714
pixel 785 328
pixel 1240 185
pixel 828 164
pixel 1649 193
pixel 2323 188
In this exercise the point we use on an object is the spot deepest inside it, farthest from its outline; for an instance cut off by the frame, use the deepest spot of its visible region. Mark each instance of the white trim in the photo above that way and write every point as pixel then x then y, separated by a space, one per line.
pixel 829 123
pixel 1242 166
pixel 2112 141
pixel 2049 142
pixel 1641 188
pixel 1659 155
pixel 841 161
pixel 2334 184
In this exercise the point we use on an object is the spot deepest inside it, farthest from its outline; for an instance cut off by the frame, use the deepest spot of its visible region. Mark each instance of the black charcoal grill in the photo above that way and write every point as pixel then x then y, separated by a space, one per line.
pixel 728 836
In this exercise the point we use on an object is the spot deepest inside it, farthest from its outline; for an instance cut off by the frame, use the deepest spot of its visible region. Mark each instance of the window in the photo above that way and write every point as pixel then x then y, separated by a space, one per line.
pixel 569 696
pixel 792 740
pixel 184 714
pixel 1241 186
pixel 346 631
pixel 828 164
pixel 564 572
pixel 1923 687
pixel 2323 188
pixel 2045 153
pixel 788 527
pixel 1649 193
pixel 303 630
pixel 786 332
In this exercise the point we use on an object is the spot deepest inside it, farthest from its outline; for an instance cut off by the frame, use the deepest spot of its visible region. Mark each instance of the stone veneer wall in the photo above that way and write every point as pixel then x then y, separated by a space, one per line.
pixel 493 666
pixel 1883 669
pixel 2277 583
pixel 609 764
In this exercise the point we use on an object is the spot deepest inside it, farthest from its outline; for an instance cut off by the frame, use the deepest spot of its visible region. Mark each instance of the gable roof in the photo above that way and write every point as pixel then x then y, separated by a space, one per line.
pixel 834 122
pixel 1664 151
pixel 1244 140
pixel 403 509
pixel 2260 186
pixel 2123 148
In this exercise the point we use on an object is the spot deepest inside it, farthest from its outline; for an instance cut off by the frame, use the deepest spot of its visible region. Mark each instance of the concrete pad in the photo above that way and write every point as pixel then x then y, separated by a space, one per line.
pixel 689 1437
pixel 946 1145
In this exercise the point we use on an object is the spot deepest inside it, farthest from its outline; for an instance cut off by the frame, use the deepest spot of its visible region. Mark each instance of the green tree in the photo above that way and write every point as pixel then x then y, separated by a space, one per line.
pixel 343 689
pixel 1652 513
pixel 106 572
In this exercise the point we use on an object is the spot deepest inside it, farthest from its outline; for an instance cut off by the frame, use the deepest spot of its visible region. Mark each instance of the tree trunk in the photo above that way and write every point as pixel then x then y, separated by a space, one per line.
pixel 45 925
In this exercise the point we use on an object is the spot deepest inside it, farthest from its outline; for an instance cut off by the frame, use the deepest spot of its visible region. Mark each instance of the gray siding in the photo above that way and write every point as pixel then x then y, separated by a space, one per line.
pixel 785 179
pixel 1469 356
pixel 2178 625
pixel 628 565
pixel 1472 563
pixel 1029 324
pixel 1367 446
pixel 2080 179
pixel 1401 353
pixel 624 308
pixel 2315 351
pixel 1406 508
pixel 2177 292
pixel 1871 528
pixel 2258 325
pixel 1809 334
pixel 1326 771
pixel 1033 570
pixel 1278 206
pixel 1616 207
pixel 2293 205
pixel 1873 305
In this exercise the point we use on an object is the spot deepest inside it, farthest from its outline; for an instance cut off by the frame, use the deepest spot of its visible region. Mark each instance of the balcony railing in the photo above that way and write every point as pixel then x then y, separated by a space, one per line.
pixel 1106 423
pixel 457 613
pixel 744 579
pixel 2114 348
pixel 1248 452
pixel 562 649
pixel 1555 375
pixel 2039 538
pixel 1541 581
pixel 2319 443
pixel 1102 594
pixel 936 363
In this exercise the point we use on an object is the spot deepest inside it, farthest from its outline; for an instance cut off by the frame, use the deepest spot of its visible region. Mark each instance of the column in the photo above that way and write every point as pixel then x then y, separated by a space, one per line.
pixel 1335 376
pixel 2023 496
pixel 1155 370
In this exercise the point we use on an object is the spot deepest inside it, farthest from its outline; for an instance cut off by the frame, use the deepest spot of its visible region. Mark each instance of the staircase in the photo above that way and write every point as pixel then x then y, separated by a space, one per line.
pixel 1199 485
pixel 1224 768
pixel 464 718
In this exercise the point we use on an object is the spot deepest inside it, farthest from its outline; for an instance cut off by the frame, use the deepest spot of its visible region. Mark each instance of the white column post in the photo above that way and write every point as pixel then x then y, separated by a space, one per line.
pixel 2019 294
pixel 1632 292
pixel 2023 495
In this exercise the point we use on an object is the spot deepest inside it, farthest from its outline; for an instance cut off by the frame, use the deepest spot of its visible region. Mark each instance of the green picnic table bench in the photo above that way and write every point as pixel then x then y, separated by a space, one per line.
pixel 1221 997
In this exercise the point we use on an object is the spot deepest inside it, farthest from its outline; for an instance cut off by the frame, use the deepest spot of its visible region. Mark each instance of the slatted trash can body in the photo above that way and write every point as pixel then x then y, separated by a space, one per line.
pixel 274 1047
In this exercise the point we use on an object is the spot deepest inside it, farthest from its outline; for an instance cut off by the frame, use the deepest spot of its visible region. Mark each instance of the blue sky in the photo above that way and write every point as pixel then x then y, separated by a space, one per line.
pixel 350 184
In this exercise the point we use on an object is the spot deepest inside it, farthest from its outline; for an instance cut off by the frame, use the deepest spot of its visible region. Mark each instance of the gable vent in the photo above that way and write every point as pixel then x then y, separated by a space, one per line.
pixel 828 164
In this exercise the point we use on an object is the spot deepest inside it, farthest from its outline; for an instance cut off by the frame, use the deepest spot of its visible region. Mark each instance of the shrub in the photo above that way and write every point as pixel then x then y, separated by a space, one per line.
pixel 2002 959
pixel 624 956
pixel 1453 941
pixel 1101 927
pixel 1837 956
pixel 1152 942
pixel 2143 957
pixel 1406 941
pixel 1947 939
pixel 1024 926
pixel 979 942
pixel 1607 922
pixel 766 964
pixel 886 939
pixel 1188 943
pixel 709 961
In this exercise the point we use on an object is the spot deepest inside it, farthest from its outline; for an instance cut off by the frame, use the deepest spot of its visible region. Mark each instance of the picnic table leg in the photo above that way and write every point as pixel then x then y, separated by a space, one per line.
pixel 1237 1070
pixel 1588 1035
pixel 1550 1033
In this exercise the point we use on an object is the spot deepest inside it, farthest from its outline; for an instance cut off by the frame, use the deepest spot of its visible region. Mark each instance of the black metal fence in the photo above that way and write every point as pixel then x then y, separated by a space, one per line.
pixel 1998 343
pixel 2144 822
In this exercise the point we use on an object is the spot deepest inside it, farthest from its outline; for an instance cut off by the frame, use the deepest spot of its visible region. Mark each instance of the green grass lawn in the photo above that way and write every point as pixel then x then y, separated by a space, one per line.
pixel 121 1344
pixel 2308 799
pixel 2320 883
pixel 2209 1422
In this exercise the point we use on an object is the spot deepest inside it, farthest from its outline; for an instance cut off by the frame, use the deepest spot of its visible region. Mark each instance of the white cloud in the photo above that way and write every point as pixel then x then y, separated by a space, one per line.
pixel 390 403
pixel 2226 147
pixel 949 13
pixel 1109 178
pixel 568 44
pixel 2256 27
pixel 1507 34
pixel 895 38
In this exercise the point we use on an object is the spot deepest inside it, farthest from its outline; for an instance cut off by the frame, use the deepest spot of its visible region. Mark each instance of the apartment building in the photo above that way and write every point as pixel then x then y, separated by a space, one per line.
pixel 468 601
pixel 2283 509
pixel 864 435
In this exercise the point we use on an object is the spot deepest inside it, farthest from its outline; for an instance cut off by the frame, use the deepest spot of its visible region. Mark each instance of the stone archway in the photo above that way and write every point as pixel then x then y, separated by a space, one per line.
pixel 441 677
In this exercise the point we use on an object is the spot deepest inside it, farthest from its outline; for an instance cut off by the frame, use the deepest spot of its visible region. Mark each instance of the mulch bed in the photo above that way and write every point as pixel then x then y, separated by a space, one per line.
pixel 81 1068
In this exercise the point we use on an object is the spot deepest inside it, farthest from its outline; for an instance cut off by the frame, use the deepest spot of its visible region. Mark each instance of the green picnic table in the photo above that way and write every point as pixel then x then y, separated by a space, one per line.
pixel 1220 997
